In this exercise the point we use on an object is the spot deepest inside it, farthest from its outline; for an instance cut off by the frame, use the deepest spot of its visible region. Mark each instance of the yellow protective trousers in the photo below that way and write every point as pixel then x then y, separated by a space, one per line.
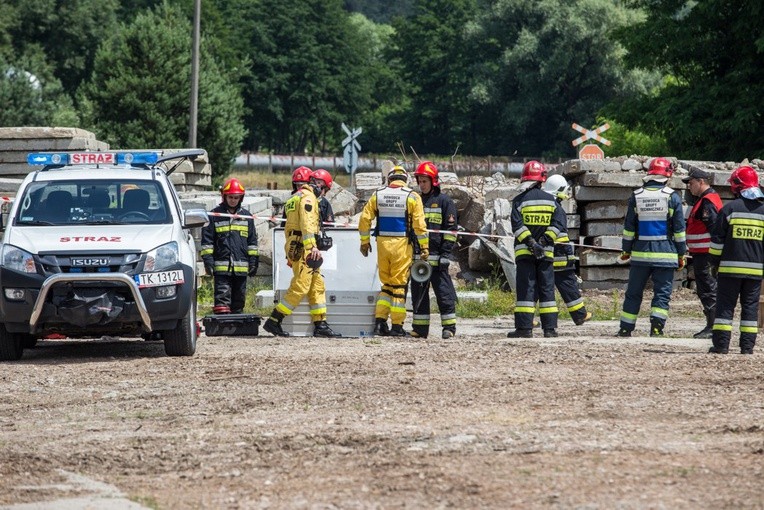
pixel 394 258
pixel 305 281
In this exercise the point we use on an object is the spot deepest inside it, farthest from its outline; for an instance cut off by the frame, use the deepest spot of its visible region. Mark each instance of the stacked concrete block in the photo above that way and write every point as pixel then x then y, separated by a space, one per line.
pixel 601 189
pixel 17 142
pixel 189 175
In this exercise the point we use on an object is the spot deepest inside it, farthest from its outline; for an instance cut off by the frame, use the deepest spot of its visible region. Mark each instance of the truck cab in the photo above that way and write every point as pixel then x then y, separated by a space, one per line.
pixel 97 243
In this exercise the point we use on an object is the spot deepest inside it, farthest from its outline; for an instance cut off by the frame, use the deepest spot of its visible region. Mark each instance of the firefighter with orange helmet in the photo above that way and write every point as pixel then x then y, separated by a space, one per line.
pixel 300 231
pixel 439 214
pixel 654 241
pixel 537 221
pixel 229 249
pixel 737 245
pixel 400 223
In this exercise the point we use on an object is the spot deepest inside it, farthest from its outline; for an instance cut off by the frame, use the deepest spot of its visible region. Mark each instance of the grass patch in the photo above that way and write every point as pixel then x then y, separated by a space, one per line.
pixel 205 296
pixel 257 179
pixel 147 501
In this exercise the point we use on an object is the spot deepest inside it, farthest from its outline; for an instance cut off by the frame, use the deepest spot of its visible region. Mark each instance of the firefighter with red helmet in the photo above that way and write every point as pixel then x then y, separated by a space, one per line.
pixel 229 249
pixel 700 222
pixel 324 182
pixel 400 223
pixel 654 243
pixel 537 221
pixel 303 256
pixel 440 214
pixel 737 245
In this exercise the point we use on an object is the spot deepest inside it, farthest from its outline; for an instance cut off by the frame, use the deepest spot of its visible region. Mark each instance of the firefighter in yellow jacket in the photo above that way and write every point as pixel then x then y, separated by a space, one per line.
pixel 301 228
pixel 400 223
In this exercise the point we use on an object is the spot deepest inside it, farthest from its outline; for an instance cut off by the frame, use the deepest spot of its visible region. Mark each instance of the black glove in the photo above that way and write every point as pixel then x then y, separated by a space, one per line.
pixel 444 262
pixel 252 269
pixel 209 269
pixel 536 248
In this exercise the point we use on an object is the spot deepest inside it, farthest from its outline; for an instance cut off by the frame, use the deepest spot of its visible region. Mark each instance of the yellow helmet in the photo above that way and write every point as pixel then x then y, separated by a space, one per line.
pixel 398 173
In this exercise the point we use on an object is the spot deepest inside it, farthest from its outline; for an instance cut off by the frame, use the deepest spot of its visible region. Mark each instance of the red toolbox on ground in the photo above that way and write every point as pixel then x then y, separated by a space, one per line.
pixel 231 324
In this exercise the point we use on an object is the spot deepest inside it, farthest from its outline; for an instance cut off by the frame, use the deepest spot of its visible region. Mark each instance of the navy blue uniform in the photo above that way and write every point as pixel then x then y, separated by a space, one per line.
pixel 536 214
pixel 440 214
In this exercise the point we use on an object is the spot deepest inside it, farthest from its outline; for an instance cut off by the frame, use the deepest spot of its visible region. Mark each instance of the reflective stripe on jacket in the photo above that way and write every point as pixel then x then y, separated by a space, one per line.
pixel 738 239
pixel 698 233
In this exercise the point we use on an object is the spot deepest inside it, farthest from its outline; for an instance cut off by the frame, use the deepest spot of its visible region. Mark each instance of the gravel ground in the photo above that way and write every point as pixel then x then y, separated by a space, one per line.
pixel 585 420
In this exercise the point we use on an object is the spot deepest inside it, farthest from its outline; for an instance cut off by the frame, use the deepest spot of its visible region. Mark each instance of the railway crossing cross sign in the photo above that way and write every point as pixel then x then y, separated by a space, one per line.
pixel 351 148
pixel 590 134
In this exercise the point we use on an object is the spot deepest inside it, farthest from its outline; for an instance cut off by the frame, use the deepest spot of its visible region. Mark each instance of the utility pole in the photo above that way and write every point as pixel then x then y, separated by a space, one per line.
pixel 194 75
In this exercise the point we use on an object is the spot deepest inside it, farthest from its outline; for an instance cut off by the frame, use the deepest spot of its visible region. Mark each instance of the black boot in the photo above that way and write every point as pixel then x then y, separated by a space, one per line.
pixel 718 350
pixel 656 327
pixel 520 333
pixel 706 332
pixel 550 333
pixel 623 332
pixel 397 330
pixel 322 329
pixel 273 324
pixel 380 328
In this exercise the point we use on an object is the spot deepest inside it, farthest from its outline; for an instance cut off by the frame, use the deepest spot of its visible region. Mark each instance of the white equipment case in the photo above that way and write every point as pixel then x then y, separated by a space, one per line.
pixel 352 284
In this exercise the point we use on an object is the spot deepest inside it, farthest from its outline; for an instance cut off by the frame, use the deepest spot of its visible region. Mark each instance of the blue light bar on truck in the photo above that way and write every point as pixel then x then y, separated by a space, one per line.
pixel 92 158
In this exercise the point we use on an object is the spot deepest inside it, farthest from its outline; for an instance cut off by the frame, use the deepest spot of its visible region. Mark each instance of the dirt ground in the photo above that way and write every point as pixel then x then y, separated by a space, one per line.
pixel 479 421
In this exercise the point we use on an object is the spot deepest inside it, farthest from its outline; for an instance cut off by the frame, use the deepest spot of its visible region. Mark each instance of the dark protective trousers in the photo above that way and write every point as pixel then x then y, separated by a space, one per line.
pixel 705 282
pixel 535 283
pixel 231 291
pixel 567 285
pixel 728 291
pixel 445 295
pixel 663 278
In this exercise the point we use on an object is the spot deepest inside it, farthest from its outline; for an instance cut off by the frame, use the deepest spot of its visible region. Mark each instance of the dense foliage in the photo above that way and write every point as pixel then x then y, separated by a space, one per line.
pixel 475 77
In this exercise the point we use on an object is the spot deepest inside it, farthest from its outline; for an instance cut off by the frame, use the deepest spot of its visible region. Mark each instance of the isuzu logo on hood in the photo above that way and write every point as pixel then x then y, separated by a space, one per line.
pixel 84 261
pixel 92 239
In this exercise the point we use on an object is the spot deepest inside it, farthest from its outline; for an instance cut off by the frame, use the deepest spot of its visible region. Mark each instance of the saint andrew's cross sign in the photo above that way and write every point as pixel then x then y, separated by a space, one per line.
pixel 590 134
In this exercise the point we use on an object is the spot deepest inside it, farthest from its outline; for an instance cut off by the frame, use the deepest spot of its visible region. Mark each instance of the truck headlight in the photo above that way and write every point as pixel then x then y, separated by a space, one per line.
pixel 17 259
pixel 162 257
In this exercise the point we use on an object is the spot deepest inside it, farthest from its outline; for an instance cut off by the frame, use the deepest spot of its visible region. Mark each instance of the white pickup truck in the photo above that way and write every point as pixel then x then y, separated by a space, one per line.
pixel 96 243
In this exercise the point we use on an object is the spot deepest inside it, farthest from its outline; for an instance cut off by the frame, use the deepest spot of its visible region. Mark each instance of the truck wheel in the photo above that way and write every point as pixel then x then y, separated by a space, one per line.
pixel 10 345
pixel 181 341
pixel 28 341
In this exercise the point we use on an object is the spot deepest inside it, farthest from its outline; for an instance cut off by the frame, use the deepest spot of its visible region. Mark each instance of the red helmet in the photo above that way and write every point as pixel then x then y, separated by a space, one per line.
pixel 661 166
pixel 533 171
pixel 429 169
pixel 323 175
pixel 232 187
pixel 743 178
pixel 301 174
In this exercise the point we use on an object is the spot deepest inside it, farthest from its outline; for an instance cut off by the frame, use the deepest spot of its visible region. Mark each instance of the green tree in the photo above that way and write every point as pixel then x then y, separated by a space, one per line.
pixel 709 106
pixel 306 76
pixel 68 31
pixel 31 94
pixel 436 66
pixel 140 90
pixel 544 64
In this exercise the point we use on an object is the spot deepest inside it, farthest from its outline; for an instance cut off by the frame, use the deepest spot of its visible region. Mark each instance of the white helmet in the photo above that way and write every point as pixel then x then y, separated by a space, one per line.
pixel 557 186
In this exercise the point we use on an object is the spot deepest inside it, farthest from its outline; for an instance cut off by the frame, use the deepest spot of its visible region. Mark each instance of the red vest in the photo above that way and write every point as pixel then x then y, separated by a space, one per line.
pixel 698 237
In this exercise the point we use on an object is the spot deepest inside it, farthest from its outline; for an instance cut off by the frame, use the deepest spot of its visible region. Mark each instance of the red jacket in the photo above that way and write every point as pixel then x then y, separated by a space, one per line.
pixel 702 217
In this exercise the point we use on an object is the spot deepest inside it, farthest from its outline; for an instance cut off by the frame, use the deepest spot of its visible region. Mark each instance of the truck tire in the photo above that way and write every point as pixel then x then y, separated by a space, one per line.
pixel 28 341
pixel 10 345
pixel 181 341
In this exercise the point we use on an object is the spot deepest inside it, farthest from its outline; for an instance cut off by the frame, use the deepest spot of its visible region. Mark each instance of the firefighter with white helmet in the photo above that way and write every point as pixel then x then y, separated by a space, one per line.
pixel 565 259
pixel 229 249
pixel 537 221
pixel 400 223
pixel 304 257
pixel 654 241
pixel 440 214
pixel 738 249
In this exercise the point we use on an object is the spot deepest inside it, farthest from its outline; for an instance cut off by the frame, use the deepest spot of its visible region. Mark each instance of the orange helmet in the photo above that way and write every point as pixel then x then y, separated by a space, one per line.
pixel 323 175
pixel 232 187
pixel 533 171
pixel 301 174
pixel 428 169
pixel 661 166
pixel 743 178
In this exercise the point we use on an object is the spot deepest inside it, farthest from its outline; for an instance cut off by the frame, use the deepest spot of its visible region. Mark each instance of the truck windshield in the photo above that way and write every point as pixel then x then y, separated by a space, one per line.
pixel 95 202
